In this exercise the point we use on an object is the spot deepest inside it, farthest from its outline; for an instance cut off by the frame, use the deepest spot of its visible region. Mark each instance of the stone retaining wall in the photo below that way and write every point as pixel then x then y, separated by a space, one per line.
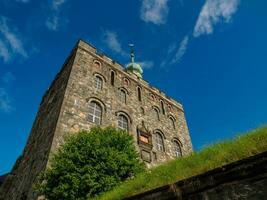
pixel 243 180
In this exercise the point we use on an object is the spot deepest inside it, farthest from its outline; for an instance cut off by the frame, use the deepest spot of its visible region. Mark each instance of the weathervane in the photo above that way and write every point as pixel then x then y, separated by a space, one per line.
pixel 132 52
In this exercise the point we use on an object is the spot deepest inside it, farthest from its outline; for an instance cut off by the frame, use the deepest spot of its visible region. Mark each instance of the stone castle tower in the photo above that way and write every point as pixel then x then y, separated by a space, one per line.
pixel 92 89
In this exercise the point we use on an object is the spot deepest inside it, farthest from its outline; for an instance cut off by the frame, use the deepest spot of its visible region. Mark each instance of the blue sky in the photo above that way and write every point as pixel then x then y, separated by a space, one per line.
pixel 209 54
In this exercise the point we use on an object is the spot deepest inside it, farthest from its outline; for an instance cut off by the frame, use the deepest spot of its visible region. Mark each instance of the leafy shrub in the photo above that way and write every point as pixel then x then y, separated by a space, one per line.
pixel 90 163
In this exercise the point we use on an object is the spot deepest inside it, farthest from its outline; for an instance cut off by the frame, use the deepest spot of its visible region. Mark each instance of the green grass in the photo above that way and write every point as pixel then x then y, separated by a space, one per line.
pixel 209 158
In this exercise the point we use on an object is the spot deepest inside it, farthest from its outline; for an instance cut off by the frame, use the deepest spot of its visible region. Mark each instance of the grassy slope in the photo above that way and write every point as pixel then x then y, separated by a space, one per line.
pixel 209 158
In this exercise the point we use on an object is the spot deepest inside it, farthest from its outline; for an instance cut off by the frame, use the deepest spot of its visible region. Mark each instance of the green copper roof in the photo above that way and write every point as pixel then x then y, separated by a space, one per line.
pixel 133 66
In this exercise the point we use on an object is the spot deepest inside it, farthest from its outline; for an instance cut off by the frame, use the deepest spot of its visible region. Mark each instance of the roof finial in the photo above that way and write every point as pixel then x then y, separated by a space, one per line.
pixel 132 52
pixel 132 66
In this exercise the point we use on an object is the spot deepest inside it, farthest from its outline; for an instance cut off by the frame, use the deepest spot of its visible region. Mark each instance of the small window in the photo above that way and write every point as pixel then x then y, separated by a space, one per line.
pixel 162 107
pixel 172 121
pixel 122 96
pixel 98 83
pixel 159 142
pixel 97 63
pixel 139 94
pixel 126 82
pixel 155 114
pixel 112 78
pixel 152 97
pixel 95 113
pixel 123 122
pixel 170 108
pixel 177 149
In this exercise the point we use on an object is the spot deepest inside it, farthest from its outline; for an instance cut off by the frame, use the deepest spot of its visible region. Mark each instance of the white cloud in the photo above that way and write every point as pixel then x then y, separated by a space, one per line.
pixel 4 53
pixel 213 12
pixel 10 43
pixel 53 20
pixel 180 51
pixel 146 64
pixel 5 102
pixel 154 11
pixel 56 4
pixel 112 42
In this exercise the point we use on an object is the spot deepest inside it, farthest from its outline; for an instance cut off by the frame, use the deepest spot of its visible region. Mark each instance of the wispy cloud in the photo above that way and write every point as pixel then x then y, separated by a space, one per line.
pixel 56 4
pixel 112 42
pixel 180 51
pixel 154 11
pixel 10 42
pixel 52 23
pixel 146 64
pixel 175 52
pixel 5 102
pixel 53 20
pixel 213 12
pixel 4 54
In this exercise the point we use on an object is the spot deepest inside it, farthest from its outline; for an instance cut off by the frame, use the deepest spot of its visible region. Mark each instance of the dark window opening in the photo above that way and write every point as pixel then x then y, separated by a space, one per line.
pixel 162 107
pixel 139 94
pixel 112 78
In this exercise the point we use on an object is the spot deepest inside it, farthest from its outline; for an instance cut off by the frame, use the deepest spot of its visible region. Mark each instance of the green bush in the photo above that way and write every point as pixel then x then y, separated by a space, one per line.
pixel 90 163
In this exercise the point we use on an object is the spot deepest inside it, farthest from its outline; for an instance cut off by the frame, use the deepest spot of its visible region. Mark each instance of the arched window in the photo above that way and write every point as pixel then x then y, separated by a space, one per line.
pixel 139 94
pixel 172 122
pixel 112 78
pixel 170 108
pixel 97 63
pixel 177 149
pixel 162 107
pixel 155 114
pixel 123 122
pixel 126 82
pixel 98 83
pixel 159 142
pixel 95 113
pixel 122 96
pixel 152 97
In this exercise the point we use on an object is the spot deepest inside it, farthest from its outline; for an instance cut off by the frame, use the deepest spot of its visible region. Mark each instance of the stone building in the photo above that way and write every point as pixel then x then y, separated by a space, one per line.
pixel 92 89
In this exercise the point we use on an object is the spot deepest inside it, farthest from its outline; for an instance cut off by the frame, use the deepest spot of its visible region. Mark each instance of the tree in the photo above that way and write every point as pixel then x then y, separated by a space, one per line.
pixel 90 163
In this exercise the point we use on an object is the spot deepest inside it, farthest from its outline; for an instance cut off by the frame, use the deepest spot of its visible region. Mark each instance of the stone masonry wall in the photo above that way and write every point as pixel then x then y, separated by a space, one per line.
pixel 81 91
pixel 18 184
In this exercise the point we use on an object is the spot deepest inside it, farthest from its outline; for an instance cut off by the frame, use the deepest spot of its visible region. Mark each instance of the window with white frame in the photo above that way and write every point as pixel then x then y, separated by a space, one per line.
pixel 95 113
pixel 123 122
pixel 98 83
pixel 159 142
pixel 177 149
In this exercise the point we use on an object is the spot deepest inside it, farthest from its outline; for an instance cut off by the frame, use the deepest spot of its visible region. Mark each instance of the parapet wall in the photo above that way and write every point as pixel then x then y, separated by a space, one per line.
pixel 245 179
